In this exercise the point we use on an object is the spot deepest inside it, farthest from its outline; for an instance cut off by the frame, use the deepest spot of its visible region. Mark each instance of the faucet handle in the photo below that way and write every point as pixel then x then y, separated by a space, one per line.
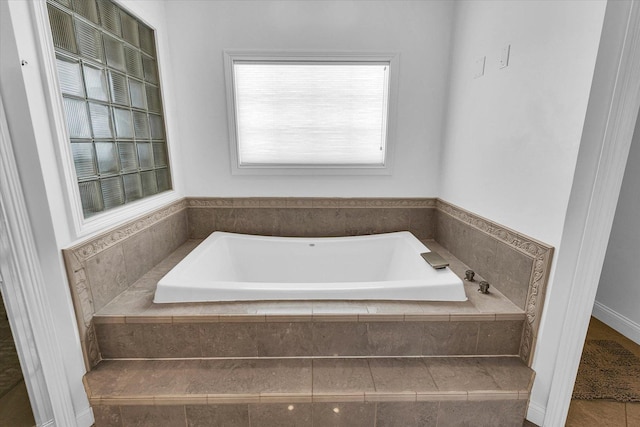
pixel 484 287
pixel 468 275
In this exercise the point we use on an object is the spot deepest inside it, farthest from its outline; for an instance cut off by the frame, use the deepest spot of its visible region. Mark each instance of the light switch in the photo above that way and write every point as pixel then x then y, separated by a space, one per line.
pixel 479 67
pixel 504 56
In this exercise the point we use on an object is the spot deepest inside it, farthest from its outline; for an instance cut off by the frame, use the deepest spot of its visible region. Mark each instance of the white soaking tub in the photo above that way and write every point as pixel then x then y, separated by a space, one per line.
pixel 240 267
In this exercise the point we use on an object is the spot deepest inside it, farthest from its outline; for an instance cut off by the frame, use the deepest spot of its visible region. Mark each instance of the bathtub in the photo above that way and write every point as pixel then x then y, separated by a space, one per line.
pixel 239 267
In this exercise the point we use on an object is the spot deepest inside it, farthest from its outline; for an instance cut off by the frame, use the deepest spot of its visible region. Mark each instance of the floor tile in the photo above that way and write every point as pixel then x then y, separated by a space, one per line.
pixel 633 414
pixel 599 413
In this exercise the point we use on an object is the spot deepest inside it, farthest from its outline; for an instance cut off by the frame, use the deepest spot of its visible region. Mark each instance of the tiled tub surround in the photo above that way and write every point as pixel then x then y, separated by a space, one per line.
pixel 102 268
pixel 132 326
pixel 298 363
pixel 515 264
pixel 105 266
pixel 311 217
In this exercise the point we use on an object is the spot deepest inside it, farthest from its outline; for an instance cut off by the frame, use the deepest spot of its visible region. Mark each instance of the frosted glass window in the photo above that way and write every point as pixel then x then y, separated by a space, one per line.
pixel 96 83
pixel 62 29
pixel 119 88
pixel 77 118
pixel 149 183
pixel 107 157
pixel 305 113
pixel 100 121
pixel 69 76
pixel 136 90
pixel 86 8
pixel 84 159
pixel 112 192
pixel 89 41
pixel 132 187
pixel 108 77
pixel 124 125
pixel 128 158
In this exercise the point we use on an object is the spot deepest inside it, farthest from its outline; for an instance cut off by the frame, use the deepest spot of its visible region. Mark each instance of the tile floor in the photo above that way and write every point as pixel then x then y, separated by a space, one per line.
pixel 605 413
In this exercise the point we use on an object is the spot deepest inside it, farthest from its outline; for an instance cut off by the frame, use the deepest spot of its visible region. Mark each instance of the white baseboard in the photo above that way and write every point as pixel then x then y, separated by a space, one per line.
pixel 85 418
pixel 536 413
pixel 620 323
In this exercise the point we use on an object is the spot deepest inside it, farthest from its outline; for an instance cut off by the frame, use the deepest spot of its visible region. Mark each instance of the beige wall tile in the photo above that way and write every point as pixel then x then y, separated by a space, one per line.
pixel 342 376
pixel 513 274
pixel 460 374
pixel 202 222
pixel 340 339
pixel 484 413
pixel 228 339
pixel 449 338
pixel 121 340
pixel 280 415
pixel 405 414
pixel 218 415
pixel 401 375
pixel 153 416
pixel 284 339
pixel 107 275
pixel 499 337
pixel 344 414
pixel 138 251
pixel 107 416
pixel 395 338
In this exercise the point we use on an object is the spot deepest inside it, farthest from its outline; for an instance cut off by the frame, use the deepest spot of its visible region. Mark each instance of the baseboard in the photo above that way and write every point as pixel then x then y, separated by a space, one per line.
pixel 620 323
pixel 85 418
pixel 536 413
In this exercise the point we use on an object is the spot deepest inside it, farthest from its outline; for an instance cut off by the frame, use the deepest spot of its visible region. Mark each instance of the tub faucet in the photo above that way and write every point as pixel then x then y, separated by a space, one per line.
pixel 484 287
pixel 468 275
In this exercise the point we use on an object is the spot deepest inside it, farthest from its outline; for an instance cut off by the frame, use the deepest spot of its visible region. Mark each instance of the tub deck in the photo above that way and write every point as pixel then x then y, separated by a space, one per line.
pixel 136 303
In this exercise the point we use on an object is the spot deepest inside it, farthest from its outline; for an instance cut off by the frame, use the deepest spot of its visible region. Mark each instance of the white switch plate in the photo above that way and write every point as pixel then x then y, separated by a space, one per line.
pixel 504 56
pixel 479 67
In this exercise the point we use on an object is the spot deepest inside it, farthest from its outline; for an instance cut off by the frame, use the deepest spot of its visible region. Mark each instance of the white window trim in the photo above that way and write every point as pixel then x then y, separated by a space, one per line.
pixel 85 227
pixel 231 55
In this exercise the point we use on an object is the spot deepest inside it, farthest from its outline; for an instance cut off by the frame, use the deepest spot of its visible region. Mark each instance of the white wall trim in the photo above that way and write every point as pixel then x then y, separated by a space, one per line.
pixel 24 292
pixel 594 194
pixel 85 417
pixel 617 321
pixel 535 413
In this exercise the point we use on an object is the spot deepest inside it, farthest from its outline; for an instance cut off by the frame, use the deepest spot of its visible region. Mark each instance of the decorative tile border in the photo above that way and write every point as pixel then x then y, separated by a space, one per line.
pixel 310 202
pixel 541 254
pixel 94 246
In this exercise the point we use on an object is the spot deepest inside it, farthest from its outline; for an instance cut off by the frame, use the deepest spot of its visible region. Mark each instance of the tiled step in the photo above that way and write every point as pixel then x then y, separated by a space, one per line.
pixel 287 336
pixel 479 391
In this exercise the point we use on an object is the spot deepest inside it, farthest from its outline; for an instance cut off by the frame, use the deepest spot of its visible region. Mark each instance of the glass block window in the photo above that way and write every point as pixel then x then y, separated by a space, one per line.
pixel 108 75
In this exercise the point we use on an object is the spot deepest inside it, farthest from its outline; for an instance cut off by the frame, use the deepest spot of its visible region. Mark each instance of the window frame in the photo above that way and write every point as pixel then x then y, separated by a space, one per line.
pixel 392 59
